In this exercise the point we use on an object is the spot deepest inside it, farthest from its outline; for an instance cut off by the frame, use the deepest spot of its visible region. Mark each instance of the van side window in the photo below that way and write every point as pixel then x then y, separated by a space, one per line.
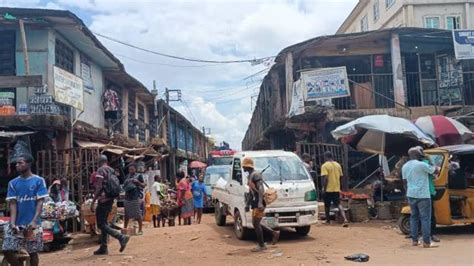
pixel 236 170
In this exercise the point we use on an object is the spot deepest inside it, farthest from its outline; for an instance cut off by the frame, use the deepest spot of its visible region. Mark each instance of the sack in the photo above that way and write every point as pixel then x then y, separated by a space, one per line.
pixel 112 186
pixel 270 195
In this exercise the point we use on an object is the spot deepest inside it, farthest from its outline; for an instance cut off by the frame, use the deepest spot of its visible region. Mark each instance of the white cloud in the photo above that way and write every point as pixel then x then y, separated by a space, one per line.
pixel 219 30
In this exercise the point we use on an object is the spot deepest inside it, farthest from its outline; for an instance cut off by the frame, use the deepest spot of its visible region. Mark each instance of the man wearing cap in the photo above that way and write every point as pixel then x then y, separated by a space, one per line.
pixel 416 174
pixel 257 202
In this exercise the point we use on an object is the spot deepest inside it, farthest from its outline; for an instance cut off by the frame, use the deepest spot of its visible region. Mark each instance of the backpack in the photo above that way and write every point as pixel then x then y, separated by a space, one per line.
pixel 112 187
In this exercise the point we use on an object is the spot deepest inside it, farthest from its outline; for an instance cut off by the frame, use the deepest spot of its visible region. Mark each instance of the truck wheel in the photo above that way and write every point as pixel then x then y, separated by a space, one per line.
pixel 404 223
pixel 303 230
pixel 240 231
pixel 220 215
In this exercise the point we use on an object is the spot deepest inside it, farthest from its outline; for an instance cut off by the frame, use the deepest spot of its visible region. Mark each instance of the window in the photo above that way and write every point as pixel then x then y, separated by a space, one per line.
pixel 64 56
pixel 364 24
pixel 432 22
pixel 376 10
pixel 453 22
pixel 389 3
pixel 236 171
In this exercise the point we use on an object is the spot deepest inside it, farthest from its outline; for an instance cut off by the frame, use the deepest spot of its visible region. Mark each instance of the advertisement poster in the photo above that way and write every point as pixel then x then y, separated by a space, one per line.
pixel 463 41
pixel 68 89
pixel 325 83
pixel 297 100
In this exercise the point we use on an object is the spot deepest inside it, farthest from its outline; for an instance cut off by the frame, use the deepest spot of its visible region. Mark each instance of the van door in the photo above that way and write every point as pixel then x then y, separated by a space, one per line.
pixel 236 189
pixel 441 199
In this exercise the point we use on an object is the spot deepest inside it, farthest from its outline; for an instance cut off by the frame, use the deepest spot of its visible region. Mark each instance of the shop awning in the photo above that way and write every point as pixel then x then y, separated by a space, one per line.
pixel 12 134
pixel 105 147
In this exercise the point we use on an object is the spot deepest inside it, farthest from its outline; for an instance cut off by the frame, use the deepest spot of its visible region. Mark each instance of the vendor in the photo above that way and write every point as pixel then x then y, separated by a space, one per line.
pixel 58 191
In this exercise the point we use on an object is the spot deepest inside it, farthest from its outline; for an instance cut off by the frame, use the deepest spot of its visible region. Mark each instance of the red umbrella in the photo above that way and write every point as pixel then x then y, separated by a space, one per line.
pixel 197 164
pixel 445 130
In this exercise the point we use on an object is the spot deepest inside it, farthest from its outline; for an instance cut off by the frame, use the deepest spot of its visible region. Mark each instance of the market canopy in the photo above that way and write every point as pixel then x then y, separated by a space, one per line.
pixel 382 134
pixel 444 130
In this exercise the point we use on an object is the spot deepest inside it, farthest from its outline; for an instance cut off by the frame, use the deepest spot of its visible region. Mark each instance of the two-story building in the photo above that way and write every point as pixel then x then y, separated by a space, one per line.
pixel 369 15
pixel 406 72
pixel 65 98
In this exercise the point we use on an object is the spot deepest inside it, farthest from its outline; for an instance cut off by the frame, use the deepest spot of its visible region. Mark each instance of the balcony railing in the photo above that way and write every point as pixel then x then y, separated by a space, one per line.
pixel 372 92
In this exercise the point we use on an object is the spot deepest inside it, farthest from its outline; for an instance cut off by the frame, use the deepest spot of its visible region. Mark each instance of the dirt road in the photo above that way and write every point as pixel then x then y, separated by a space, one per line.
pixel 207 244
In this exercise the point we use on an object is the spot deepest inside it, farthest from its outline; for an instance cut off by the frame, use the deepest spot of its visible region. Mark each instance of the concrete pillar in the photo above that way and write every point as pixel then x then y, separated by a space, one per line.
pixel 410 17
pixel 125 111
pixel 289 80
pixel 398 87
pixel 467 16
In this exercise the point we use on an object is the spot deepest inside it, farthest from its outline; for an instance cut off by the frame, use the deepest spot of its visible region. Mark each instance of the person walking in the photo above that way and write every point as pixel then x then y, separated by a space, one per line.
pixel 25 195
pixel 308 164
pixel 331 172
pixel 416 175
pixel 155 202
pixel 199 196
pixel 257 202
pixel 185 198
pixel 104 178
pixel 132 186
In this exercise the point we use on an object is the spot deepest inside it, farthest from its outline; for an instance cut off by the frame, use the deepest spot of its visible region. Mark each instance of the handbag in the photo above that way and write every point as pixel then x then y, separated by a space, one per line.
pixel 270 194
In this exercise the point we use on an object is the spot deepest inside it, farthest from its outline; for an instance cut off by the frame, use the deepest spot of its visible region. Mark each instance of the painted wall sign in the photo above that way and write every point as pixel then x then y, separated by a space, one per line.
pixel 68 89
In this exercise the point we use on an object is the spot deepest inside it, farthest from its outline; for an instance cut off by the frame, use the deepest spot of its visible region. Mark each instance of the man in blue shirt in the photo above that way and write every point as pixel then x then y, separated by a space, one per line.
pixel 416 174
pixel 25 195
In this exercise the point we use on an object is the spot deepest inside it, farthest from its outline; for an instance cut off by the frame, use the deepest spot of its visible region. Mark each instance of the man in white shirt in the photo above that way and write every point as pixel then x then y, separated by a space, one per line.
pixel 155 201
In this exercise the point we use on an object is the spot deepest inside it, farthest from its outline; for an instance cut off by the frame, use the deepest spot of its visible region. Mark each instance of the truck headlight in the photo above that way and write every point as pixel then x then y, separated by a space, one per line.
pixel 310 195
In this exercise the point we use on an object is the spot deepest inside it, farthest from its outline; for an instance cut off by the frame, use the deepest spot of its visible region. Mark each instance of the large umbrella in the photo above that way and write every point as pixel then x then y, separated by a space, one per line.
pixel 197 164
pixel 444 130
pixel 382 134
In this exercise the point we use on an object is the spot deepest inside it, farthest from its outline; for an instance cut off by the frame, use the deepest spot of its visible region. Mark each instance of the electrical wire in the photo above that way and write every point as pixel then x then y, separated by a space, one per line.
pixel 228 94
pixel 162 64
pixel 253 61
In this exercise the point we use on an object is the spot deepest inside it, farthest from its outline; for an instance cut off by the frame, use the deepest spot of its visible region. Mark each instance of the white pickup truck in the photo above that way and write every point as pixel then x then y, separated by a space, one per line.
pixel 296 206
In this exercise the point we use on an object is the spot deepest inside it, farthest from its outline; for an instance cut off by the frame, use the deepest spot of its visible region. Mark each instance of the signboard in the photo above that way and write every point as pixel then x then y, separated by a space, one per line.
pixel 463 41
pixel 325 83
pixel 68 89
pixel 297 100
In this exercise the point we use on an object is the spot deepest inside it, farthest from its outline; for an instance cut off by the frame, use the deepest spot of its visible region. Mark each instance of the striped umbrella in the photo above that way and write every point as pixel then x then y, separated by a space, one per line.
pixel 444 130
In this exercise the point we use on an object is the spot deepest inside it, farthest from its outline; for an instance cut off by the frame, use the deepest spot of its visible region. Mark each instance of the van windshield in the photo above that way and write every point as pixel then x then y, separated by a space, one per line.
pixel 214 173
pixel 281 168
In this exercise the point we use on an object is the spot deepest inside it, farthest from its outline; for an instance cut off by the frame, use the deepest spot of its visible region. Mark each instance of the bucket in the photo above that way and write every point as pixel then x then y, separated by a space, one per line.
pixel 383 211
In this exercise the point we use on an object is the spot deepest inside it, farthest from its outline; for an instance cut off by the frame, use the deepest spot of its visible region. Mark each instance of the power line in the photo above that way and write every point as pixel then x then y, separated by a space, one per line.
pixel 255 61
pixel 228 94
pixel 162 64
pixel 189 111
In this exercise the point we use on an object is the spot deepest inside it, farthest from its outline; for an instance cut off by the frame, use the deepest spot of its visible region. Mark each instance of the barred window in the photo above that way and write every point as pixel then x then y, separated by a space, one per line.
pixel 64 56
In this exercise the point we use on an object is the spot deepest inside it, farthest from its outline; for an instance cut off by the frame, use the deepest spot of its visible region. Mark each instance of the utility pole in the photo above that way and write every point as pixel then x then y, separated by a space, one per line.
pixel 172 165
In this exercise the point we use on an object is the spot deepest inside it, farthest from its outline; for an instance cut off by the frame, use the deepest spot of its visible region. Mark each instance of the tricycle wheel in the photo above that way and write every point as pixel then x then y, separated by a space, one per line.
pixel 404 224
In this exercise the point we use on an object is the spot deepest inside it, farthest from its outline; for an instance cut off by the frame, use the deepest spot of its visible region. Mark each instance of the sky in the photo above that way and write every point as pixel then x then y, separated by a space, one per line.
pixel 215 96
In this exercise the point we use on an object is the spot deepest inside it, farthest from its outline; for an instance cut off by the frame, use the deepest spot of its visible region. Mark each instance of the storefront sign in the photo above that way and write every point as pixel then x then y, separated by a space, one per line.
pixel 68 89
pixel 463 41
pixel 325 83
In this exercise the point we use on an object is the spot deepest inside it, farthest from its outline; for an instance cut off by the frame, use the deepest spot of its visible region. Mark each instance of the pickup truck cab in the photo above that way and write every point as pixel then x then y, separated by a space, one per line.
pixel 296 206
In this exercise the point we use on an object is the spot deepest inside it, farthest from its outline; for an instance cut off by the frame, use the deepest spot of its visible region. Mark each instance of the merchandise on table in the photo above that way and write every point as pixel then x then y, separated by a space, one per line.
pixel 59 210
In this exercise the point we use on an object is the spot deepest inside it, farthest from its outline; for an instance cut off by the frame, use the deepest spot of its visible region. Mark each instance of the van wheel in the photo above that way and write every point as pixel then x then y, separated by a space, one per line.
pixel 240 231
pixel 220 215
pixel 303 230
pixel 404 224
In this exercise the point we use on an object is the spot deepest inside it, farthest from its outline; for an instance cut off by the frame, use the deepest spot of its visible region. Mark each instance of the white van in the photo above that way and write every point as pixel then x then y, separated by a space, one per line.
pixel 295 207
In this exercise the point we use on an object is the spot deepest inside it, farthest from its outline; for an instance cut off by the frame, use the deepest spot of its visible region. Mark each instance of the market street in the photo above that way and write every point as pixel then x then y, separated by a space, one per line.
pixel 208 244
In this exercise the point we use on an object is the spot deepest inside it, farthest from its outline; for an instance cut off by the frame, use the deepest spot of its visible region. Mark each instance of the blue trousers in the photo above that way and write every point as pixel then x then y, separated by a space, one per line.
pixel 420 213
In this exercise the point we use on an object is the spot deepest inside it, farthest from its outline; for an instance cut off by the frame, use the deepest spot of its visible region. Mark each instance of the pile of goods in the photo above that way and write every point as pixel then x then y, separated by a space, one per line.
pixel 59 210
pixel 354 196
pixel 169 208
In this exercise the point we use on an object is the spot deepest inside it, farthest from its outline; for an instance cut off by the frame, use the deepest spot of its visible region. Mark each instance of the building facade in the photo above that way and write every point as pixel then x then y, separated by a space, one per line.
pixel 403 72
pixel 371 15
pixel 66 99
